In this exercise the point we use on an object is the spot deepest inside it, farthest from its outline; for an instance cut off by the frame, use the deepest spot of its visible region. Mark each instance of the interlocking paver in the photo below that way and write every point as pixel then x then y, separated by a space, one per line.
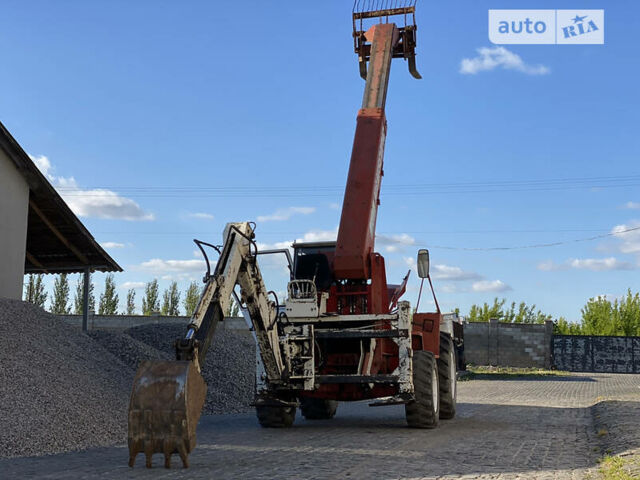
pixel 505 429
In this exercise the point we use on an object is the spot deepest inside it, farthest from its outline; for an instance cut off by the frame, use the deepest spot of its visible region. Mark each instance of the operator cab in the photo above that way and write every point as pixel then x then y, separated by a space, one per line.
pixel 312 261
pixel 308 291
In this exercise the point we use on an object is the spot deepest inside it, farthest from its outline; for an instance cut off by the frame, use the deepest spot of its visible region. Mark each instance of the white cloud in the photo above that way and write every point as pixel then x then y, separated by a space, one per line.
pixel 274 246
pixel 334 206
pixel 447 272
pixel 311 236
pixel 159 266
pixel 452 288
pixel 490 58
pixel 285 214
pixel 134 285
pixel 43 164
pixel 549 266
pixel 411 263
pixel 593 264
pixel 319 236
pixel 96 203
pixel 629 240
pixel 490 286
pixel 112 245
pixel 632 205
pixel 395 243
pixel 599 264
pixel 201 216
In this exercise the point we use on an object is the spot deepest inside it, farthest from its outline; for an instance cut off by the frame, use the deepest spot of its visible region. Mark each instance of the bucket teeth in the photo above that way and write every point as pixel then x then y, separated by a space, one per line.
pixel 166 402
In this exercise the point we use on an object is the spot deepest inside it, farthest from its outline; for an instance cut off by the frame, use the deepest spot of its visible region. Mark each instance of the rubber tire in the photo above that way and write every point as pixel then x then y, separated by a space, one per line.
pixel 317 408
pixel 448 385
pixel 275 417
pixel 423 412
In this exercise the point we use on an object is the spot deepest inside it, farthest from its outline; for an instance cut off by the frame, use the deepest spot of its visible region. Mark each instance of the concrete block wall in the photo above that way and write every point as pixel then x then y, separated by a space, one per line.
pixel 508 344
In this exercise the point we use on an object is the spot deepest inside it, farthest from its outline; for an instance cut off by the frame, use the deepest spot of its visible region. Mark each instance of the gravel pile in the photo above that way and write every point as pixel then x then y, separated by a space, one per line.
pixel 129 350
pixel 229 369
pixel 59 389
pixel 62 390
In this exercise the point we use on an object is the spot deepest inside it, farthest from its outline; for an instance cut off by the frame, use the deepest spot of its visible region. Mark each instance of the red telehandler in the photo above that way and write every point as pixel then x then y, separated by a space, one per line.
pixel 342 334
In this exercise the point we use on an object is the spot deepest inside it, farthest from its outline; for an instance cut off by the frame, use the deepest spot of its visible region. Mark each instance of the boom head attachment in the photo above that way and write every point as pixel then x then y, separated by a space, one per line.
pixel 367 13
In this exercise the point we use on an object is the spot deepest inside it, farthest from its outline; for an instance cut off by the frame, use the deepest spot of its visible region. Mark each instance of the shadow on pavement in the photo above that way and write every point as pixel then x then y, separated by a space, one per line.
pixel 526 377
pixel 374 442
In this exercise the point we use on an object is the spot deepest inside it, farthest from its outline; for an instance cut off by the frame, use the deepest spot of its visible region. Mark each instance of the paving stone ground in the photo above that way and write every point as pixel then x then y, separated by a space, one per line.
pixel 542 428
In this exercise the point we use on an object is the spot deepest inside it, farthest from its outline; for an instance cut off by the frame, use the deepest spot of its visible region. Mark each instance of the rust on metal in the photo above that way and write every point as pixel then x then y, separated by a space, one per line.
pixel 164 410
pixel 402 12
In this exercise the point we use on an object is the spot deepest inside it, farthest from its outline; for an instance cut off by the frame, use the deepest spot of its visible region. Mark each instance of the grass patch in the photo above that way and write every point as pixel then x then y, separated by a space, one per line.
pixel 480 372
pixel 613 468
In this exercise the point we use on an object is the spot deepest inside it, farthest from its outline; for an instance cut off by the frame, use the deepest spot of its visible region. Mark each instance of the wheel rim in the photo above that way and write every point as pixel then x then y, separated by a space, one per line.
pixel 434 388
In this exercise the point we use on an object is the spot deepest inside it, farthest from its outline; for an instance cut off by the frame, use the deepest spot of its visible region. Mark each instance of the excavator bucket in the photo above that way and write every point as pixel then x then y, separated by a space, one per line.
pixel 402 12
pixel 165 406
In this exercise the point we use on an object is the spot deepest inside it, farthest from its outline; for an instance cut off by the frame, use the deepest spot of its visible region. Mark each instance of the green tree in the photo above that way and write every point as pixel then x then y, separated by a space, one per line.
pixel 131 302
pixel 108 304
pixel 77 299
pixel 60 298
pixel 191 298
pixel 522 314
pixel 171 300
pixel 34 290
pixel 150 301
pixel 598 317
pixel 562 327
pixel 486 312
pixel 628 315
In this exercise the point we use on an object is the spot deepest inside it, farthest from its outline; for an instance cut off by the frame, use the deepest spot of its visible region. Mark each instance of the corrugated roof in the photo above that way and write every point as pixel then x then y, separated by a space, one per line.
pixel 57 241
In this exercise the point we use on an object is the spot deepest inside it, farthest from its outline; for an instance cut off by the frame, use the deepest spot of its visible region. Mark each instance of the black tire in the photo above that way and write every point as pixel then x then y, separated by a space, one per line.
pixel 447 377
pixel 423 412
pixel 270 416
pixel 317 408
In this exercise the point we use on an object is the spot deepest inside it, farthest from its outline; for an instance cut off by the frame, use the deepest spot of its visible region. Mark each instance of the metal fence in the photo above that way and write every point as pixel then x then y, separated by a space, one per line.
pixel 589 353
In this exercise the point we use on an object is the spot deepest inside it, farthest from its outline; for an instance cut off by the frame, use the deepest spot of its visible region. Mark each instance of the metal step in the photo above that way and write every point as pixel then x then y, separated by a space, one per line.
pixel 357 378
pixel 361 333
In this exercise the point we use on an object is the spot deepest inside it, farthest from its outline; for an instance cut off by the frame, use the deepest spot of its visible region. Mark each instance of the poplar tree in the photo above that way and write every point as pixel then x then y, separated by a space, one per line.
pixel 171 300
pixel 77 299
pixel 60 295
pixel 150 301
pixel 34 290
pixel 131 302
pixel 109 298
pixel 191 298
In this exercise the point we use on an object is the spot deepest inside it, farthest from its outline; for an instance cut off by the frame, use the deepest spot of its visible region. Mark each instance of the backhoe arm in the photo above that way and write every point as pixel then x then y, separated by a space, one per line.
pixel 167 397
pixel 237 265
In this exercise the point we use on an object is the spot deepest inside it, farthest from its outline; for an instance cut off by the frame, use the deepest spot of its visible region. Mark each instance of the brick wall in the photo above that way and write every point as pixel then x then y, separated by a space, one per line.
pixel 508 344
pixel 583 353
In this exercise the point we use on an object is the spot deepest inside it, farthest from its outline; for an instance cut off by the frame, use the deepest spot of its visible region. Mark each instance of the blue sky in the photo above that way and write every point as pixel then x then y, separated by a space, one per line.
pixel 161 121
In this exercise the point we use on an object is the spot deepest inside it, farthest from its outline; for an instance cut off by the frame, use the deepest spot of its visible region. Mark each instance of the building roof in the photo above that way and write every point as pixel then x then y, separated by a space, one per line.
pixel 57 241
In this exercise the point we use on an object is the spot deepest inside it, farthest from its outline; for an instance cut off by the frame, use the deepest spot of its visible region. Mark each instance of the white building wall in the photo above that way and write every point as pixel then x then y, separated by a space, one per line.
pixel 14 210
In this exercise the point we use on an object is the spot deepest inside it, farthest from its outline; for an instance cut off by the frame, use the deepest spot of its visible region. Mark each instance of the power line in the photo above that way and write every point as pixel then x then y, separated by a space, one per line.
pixel 502 186
pixel 442 247
pixel 538 245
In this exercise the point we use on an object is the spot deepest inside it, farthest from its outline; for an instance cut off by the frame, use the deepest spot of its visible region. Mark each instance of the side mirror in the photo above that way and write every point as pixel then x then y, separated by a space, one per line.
pixel 423 263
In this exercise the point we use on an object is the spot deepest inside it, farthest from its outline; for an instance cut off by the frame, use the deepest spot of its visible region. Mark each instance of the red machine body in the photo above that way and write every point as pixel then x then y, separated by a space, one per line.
pixel 354 274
